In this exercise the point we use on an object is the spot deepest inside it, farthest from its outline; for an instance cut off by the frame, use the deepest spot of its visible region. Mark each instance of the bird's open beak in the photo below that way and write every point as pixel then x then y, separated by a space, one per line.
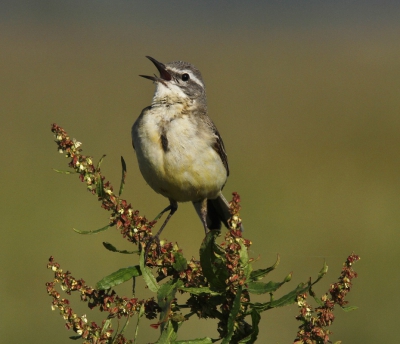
pixel 164 75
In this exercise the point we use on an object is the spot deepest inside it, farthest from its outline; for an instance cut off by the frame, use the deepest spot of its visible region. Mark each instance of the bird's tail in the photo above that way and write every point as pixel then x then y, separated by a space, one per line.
pixel 217 212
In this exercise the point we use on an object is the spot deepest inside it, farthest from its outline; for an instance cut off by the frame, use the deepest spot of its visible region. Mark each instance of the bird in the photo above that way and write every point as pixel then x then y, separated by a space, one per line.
pixel 179 150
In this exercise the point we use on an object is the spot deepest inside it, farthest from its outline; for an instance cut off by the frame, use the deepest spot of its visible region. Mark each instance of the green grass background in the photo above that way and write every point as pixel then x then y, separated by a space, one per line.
pixel 306 96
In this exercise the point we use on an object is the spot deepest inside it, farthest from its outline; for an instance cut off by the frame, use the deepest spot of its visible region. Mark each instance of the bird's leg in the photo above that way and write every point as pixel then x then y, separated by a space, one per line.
pixel 203 214
pixel 201 210
pixel 173 207
pixel 162 212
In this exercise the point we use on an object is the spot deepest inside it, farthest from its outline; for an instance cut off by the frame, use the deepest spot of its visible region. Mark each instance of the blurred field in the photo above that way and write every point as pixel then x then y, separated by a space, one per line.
pixel 306 98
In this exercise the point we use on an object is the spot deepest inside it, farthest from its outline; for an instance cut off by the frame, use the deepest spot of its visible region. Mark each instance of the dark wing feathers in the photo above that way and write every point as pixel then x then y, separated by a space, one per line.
pixel 218 144
pixel 220 149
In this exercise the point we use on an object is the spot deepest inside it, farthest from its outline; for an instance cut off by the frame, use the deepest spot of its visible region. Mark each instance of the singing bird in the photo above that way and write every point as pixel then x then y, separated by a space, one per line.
pixel 180 152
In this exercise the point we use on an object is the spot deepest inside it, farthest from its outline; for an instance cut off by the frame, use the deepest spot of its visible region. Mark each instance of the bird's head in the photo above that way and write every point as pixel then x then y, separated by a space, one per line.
pixel 179 82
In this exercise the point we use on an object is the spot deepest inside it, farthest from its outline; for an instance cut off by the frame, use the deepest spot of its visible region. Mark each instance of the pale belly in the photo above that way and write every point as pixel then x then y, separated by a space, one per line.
pixel 189 170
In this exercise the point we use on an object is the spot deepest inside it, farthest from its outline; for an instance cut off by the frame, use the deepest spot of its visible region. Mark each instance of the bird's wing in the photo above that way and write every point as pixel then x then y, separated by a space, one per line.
pixel 218 144
pixel 220 149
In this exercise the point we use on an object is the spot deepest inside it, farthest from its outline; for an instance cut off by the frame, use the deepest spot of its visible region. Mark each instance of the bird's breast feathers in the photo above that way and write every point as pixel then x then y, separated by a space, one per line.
pixel 176 158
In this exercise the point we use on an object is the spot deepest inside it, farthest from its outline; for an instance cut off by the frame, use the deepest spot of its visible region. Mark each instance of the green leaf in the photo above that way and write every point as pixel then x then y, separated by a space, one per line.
pixel 285 300
pixel 112 248
pixel 65 172
pixel 147 274
pixel 255 320
pixel 316 299
pixel 106 326
pixel 165 295
pixel 121 187
pixel 349 308
pixel 141 313
pixel 118 277
pixel 99 185
pixel 206 340
pixel 232 317
pixel 321 273
pixel 212 264
pixel 256 275
pixel 244 259
pixel 168 333
pixel 100 162
pixel 75 337
pixel 92 232
pixel 177 317
pixel 290 298
pixel 201 290
pixel 123 328
pixel 180 263
pixel 262 288
pixel 270 287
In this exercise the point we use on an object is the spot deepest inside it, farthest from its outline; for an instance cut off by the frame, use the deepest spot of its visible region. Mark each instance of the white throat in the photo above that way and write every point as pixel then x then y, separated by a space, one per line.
pixel 170 94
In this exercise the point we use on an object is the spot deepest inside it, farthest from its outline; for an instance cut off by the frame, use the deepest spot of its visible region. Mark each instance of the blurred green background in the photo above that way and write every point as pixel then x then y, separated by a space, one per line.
pixel 306 96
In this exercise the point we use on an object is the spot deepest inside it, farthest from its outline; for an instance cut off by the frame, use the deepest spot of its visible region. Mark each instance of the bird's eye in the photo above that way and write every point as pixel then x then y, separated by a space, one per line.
pixel 185 77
